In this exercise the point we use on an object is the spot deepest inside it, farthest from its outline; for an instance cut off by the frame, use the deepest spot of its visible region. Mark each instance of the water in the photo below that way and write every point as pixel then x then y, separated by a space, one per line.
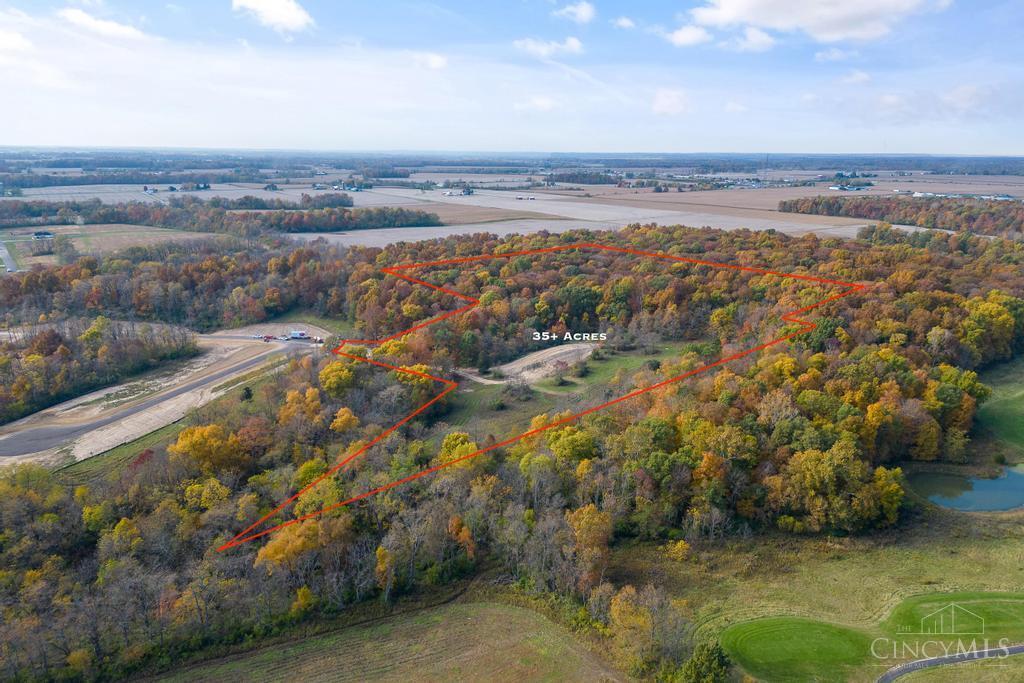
pixel 969 493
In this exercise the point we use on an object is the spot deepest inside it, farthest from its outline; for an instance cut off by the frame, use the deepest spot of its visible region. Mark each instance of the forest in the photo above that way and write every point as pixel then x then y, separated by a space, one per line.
pixel 980 216
pixel 121 575
pixel 244 216
pixel 49 363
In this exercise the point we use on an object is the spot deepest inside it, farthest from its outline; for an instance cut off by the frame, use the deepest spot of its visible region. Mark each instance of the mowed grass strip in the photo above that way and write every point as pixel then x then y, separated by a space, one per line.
pixel 796 649
pixel 463 641
pixel 1003 413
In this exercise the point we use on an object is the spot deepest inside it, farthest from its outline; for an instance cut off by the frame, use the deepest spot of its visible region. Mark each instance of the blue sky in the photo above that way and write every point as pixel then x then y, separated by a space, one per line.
pixel 892 76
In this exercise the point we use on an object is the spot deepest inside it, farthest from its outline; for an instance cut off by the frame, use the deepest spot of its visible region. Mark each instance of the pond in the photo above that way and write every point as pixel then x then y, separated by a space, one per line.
pixel 970 493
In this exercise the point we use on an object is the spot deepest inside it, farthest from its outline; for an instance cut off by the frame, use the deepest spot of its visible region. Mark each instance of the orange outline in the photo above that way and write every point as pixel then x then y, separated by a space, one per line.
pixel 245 536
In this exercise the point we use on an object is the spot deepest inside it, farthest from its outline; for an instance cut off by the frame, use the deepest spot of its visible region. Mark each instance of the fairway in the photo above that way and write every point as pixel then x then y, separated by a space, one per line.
pixel 800 649
pixel 472 641
pixel 791 648
pixel 1003 413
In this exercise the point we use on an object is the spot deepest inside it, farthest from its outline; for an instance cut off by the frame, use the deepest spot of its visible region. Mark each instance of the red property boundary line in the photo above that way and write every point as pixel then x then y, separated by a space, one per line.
pixel 248 534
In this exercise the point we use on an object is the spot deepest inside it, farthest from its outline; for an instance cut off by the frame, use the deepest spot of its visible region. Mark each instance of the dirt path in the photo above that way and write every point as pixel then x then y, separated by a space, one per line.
pixel 534 366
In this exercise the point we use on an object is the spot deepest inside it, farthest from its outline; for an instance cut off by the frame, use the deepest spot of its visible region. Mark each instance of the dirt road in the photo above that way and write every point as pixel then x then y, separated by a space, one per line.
pixel 535 366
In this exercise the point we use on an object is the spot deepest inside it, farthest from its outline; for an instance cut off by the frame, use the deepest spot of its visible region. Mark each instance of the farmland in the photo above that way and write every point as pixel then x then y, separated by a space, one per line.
pixel 467 641
pixel 91 239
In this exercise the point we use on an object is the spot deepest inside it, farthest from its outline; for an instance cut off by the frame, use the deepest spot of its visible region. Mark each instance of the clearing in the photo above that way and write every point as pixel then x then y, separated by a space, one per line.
pixel 839 589
pixel 96 238
pixel 537 365
pixel 464 641
pixel 1001 414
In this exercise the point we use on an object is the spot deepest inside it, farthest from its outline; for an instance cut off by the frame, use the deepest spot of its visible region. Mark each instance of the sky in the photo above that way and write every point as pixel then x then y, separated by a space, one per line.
pixel 808 76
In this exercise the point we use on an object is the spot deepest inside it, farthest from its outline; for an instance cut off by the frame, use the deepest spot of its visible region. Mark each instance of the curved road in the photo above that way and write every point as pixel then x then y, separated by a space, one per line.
pixel 43 438
pixel 903 669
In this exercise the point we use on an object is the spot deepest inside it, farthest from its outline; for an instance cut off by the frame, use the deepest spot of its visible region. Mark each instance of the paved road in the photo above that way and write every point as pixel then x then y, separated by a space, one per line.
pixel 44 438
pixel 903 669
pixel 5 256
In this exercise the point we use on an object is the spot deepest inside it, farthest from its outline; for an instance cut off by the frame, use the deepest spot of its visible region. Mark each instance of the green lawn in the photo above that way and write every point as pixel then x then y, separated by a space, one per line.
pixel 1003 414
pixel 461 641
pixel 800 649
pixel 796 649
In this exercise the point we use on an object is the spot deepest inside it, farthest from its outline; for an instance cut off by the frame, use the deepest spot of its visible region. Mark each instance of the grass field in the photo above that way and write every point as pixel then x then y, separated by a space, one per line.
pixel 795 648
pixel 1002 415
pixel 1009 670
pixel 461 641
pixel 97 238
pixel 860 584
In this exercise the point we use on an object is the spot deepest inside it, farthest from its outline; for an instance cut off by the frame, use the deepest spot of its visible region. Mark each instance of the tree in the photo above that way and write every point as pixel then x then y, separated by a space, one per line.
pixel 708 664
pixel 211 449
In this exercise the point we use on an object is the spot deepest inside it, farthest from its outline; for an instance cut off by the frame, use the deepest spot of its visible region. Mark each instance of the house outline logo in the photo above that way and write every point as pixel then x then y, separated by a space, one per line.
pixel 952 620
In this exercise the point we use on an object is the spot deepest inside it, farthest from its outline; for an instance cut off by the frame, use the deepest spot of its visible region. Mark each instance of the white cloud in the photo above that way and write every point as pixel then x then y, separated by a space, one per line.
pixel 549 48
pixel 754 40
pixel 823 20
pixel 581 12
pixel 12 41
pixel 834 54
pixel 624 22
pixel 429 60
pixel 735 108
pixel 102 27
pixel 670 102
pixel 536 103
pixel 856 77
pixel 687 36
pixel 284 16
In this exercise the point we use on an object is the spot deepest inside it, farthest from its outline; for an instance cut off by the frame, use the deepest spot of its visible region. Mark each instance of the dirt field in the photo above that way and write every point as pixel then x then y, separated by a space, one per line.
pixel 463 214
pixel 468 642
pixel 537 365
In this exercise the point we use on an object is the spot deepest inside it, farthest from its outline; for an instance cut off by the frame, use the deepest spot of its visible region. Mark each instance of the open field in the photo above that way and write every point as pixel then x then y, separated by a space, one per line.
pixel 1002 415
pixel 463 214
pixel 465 641
pixel 794 648
pixel 98 238
pixel 856 584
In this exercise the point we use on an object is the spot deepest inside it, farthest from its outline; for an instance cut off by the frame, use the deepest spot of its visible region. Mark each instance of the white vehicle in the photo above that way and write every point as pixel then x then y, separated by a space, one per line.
pixel 298 334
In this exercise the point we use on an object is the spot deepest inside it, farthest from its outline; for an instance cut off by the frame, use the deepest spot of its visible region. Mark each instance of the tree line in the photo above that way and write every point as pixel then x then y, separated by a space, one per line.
pixel 119 577
pixel 983 217
pixel 49 363
pixel 219 215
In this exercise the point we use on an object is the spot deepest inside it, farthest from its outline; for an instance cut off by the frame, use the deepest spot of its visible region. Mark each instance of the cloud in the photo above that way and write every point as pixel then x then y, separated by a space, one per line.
pixel 670 102
pixel 687 36
pixel 735 108
pixel 855 77
pixel 12 41
pixel 834 54
pixel 754 40
pixel 536 103
pixel 284 16
pixel 581 12
pixel 824 21
pixel 549 48
pixel 624 22
pixel 101 27
pixel 429 60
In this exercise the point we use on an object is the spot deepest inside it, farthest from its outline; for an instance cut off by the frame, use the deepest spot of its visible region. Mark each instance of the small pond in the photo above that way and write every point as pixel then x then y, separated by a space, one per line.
pixel 971 493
